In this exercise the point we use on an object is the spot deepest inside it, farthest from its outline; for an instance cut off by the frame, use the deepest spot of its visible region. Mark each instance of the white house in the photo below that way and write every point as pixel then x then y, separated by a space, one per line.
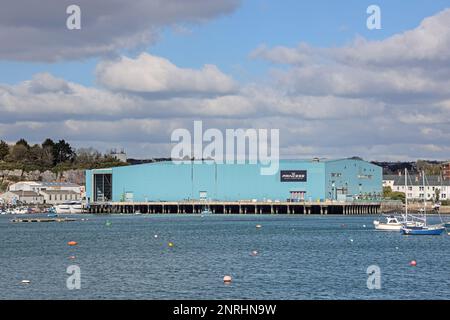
pixel 25 197
pixel 415 189
pixel 50 192
pixel 59 196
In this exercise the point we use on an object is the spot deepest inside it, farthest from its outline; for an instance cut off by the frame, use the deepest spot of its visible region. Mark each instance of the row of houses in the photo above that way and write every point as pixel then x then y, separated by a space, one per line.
pixel 32 192
pixel 435 188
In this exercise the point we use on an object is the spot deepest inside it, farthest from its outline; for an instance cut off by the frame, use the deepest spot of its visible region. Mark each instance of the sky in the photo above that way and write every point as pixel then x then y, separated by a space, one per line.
pixel 138 70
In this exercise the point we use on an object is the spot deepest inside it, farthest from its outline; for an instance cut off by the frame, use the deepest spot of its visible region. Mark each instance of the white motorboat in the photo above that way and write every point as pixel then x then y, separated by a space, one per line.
pixel 20 210
pixel 397 222
pixel 71 207
pixel 392 224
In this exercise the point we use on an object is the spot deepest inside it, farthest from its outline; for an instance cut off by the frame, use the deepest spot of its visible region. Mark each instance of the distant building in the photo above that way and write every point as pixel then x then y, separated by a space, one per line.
pixel 59 196
pixel 37 186
pixel 119 155
pixel 296 181
pixel 415 189
pixel 25 186
pixel 22 197
pixel 49 192
pixel 446 171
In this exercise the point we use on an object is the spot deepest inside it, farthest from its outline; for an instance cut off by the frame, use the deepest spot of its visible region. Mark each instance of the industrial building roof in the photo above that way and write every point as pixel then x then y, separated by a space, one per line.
pixel 26 193
pixel 58 184
pixel 174 162
pixel 49 192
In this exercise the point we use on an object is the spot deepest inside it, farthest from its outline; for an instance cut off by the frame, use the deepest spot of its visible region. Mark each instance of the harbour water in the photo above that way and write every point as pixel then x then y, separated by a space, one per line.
pixel 299 257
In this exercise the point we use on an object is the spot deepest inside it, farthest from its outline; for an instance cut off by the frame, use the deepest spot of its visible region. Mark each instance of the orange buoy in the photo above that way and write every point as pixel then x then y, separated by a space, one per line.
pixel 72 243
pixel 227 279
pixel 413 263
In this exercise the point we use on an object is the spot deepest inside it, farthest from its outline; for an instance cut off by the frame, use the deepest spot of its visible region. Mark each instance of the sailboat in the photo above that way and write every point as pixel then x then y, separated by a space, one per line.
pixel 423 229
pixel 395 223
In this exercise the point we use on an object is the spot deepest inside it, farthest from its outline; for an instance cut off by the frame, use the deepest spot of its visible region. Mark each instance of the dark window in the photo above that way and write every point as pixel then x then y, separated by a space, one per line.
pixel 102 187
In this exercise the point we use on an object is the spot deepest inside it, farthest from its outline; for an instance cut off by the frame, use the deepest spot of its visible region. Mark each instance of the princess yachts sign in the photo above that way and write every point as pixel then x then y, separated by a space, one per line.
pixel 293 175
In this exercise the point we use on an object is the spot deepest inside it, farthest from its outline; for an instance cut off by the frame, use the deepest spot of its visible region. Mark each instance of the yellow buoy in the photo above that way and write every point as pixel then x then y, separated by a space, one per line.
pixel 170 244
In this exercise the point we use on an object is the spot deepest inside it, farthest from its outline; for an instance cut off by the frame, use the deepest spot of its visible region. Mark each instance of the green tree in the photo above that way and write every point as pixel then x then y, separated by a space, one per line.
pixel 387 191
pixel 388 194
pixel 63 152
pixel 18 154
pixel 23 142
pixel 48 152
pixel 4 150
pixel 48 143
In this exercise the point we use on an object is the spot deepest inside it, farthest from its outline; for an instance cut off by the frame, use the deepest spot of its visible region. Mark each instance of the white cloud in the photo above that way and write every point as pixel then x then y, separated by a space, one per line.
pixel 408 67
pixel 152 74
pixel 362 99
pixel 36 30
pixel 426 46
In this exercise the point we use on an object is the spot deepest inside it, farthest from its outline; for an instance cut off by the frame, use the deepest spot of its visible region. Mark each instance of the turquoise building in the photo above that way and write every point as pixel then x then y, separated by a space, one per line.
pixel 296 180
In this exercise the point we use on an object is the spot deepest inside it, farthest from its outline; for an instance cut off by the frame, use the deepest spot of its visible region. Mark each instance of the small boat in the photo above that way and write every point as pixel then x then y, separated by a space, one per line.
pixel 435 230
pixel 72 207
pixel 52 215
pixel 392 224
pixel 21 210
pixel 423 228
pixel 396 222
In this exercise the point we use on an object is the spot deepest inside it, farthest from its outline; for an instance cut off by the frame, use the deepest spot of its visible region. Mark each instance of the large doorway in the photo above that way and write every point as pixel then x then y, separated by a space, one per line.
pixel 102 187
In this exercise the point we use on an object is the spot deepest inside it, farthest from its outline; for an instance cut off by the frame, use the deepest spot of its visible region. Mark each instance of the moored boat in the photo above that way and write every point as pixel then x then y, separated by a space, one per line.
pixel 71 207
pixel 435 230
pixel 396 222
pixel 392 224
pixel 423 228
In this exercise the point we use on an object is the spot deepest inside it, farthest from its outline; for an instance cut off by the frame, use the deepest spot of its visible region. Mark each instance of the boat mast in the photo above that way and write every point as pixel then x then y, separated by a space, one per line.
pixel 424 198
pixel 406 194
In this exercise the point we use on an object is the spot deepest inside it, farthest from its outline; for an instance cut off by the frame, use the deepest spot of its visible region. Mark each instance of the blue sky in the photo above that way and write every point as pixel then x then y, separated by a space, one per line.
pixel 228 40
pixel 138 70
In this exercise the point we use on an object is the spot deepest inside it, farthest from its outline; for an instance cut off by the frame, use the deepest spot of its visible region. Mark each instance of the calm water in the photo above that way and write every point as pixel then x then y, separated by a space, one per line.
pixel 299 258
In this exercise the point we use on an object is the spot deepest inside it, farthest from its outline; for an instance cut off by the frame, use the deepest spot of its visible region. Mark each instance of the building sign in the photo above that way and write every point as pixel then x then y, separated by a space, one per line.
pixel 293 175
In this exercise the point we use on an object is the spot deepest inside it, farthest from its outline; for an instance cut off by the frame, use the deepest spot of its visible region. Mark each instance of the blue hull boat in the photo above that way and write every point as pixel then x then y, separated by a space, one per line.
pixel 424 231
